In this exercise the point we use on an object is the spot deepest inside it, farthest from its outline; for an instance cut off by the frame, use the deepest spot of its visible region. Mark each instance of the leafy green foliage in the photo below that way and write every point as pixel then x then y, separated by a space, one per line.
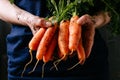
pixel 61 9
pixel 64 9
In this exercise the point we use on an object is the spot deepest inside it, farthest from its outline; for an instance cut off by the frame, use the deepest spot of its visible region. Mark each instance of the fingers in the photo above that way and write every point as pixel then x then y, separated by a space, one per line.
pixel 86 19
pixel 43 23
pixel 37 23
pixel 97 21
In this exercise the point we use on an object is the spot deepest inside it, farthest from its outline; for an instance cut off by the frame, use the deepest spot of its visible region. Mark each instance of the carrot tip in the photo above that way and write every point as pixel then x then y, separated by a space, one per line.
pixel 57 62
pixel 43 66
pixel 71 52
pixel 30 51
pixel 73 66
pixel 34 67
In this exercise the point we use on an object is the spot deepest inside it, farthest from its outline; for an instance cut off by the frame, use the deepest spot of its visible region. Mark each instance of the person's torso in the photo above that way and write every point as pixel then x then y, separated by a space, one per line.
pixel 18 51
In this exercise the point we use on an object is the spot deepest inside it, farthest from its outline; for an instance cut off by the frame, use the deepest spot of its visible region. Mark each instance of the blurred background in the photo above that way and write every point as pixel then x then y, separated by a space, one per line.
pixel 113 46
pixel 4 30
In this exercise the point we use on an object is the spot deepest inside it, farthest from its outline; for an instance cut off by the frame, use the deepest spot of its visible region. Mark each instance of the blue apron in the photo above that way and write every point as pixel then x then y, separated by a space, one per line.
pixel 95 67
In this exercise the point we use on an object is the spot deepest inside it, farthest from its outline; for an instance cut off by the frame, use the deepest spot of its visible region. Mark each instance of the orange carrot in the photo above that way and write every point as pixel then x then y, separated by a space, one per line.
pixel 74 33
pixel 63 38
pixel 43 45
pixel 81 53
pixel 59 54
pixel 49 53
pixel 33 44
pixel 63 41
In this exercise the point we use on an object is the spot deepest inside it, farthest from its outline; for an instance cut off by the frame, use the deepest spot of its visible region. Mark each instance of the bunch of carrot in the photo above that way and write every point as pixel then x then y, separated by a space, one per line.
pixel 65 36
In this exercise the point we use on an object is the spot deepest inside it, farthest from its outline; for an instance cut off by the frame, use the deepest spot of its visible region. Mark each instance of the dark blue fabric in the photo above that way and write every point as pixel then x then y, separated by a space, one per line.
pixel 95 67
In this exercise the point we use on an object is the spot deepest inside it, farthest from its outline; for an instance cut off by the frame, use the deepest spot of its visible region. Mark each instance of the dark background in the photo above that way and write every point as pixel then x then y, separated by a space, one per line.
pixel 113 46
pixel 4 30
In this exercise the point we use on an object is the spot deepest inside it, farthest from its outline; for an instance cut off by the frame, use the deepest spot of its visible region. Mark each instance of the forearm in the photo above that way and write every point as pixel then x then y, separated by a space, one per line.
pixel 12 14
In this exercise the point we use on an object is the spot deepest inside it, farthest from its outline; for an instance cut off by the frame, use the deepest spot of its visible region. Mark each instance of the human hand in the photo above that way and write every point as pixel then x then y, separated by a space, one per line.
pixel 88 31
pixel 35 23
pixel 101 19
pixel 97 21
pixel 86 20
pixel 89 23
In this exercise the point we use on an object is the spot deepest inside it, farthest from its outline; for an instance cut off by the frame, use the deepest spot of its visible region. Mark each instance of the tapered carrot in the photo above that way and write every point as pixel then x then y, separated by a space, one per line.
pixel 63 38
pixel 81 52
pixel 74 33
pixel 49 53
pixel 59 54
pixel 33 44
pixel 45 41
pixel 43 45
pixel 81 55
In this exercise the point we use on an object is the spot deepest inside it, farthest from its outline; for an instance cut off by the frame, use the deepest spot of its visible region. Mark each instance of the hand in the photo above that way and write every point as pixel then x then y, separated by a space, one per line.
pixel 86 20
pixel 89 23
pixel 19 16
pixel 36 23
pixel 97 21
pixel 88 31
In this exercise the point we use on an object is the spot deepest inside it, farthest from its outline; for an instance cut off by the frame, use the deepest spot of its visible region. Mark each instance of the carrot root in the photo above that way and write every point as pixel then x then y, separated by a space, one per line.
pixel 43 66
pixel 31 58
pixel 34 67
pixel 74 66
pixel 57 62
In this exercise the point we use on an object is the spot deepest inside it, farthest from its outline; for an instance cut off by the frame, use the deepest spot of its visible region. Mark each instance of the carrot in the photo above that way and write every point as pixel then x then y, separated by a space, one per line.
pixel 88 38
pixel 43 45
pixel 49 53
pixel 63 38
pixel 33 44
pixel 74 33
pixel 81 52
pixel 59 54
pixel 81 55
